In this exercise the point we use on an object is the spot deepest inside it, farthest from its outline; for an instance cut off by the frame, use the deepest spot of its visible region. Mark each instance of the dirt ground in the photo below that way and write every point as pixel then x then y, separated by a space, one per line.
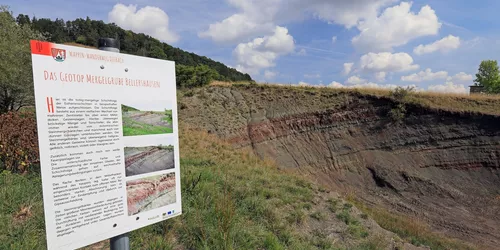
pixel 155 119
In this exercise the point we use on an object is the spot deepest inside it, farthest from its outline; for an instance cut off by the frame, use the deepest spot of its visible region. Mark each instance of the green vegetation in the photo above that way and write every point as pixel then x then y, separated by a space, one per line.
pixel 169 148
pixel 132 128
pixel 332 205
pixel 318 216
pixel 16 80
pixel 190 77
pixel 126 108
pixel 88 31
pixel 168 115
pixel 21 212
pixel 231 200
pixel 410 229
pixel 18 142
pixel 483 104
pixel 488 76
pixel 399 94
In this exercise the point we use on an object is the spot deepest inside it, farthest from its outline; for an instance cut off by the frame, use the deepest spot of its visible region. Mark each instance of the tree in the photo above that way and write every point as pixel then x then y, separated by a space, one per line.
pixel 190 77
pixel 16 78
pixel 488 76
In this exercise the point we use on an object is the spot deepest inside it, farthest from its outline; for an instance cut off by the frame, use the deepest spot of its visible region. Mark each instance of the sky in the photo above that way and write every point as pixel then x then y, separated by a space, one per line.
pixel 434 45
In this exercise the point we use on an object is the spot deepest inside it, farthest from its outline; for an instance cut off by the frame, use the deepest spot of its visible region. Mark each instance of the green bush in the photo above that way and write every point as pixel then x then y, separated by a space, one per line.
pixel 190 77
pixel 398 113
pixel 400 93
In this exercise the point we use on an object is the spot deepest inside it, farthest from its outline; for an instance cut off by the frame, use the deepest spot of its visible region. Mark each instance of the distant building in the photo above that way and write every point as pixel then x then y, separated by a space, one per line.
pixel 477 89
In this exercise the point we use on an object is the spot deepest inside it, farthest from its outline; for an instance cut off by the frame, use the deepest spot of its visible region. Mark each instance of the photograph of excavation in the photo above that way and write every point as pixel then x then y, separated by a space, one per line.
pixel 149 193
pixel 142 160
pixel 138 122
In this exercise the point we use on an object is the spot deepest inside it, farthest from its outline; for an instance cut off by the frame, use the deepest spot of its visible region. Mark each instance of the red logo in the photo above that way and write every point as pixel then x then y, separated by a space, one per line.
pixel 59 54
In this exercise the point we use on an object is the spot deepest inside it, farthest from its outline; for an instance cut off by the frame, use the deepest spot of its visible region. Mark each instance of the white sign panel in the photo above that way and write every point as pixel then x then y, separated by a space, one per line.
pixel 109 149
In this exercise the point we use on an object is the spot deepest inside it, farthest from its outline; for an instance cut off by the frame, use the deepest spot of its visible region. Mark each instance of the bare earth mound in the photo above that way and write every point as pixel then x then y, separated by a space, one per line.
pixel 439 164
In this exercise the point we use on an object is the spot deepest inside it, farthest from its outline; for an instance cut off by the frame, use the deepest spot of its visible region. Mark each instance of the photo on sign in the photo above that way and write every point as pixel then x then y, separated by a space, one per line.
pixel 142 160
pixel 151 192
pixel 146 122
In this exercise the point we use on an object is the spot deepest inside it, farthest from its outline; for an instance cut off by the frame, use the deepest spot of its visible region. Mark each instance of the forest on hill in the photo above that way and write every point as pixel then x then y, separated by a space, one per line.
pixel 88 31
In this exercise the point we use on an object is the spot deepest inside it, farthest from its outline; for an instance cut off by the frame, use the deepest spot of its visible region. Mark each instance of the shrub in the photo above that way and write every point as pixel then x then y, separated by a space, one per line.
pixel 332 205
pixel 318 216
pixel 398 113
pixel 190 77
pixel 400 93
pixel 18 141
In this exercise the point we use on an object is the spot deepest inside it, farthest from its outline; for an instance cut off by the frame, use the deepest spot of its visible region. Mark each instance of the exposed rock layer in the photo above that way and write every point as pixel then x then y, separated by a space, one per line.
pixel 443 167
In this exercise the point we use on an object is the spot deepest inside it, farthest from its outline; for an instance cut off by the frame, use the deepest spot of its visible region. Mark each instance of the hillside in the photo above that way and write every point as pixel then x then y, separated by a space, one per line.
pixel 439 163
pixel 231 200
pixel 87 32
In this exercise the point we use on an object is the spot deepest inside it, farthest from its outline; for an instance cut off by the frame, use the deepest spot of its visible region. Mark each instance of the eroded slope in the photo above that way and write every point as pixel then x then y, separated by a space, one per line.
pixel 437 164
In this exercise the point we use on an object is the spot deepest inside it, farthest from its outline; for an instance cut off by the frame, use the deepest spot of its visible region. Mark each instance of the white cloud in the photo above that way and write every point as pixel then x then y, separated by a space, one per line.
pixel 375 86
pixel 303 84
pixel 396 26
pixel 444 45
pixel 355 80
pixel 387 62
pixel 259 17
pixel 334 39
pixel 335 84
pixel 262 52
pixel 312 75
pixel 426 75
pixel 302 52
pixel 254 18
pixel 149 20
pixel 347 68
pixel 460 77
pixel 344 12
pixel 449 87
pixel 270 74
pixel 380 76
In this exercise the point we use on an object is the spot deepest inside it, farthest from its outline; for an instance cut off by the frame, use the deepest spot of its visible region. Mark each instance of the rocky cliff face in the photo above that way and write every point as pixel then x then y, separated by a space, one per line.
pixel 440 166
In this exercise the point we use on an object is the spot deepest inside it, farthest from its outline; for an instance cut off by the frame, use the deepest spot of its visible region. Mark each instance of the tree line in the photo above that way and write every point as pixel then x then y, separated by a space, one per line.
pixel 16 83
pixel 88 31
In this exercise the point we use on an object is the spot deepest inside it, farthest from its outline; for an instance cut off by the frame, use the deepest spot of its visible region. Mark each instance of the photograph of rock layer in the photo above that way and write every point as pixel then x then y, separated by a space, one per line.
pixel 149 193
pixel 142 160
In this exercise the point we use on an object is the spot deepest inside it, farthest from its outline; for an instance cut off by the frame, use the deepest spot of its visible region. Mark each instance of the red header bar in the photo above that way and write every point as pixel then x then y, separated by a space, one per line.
pixel 41 48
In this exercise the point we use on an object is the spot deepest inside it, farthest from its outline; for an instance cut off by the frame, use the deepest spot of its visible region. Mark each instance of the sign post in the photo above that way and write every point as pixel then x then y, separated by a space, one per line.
pixel 109 148
pixel 122 241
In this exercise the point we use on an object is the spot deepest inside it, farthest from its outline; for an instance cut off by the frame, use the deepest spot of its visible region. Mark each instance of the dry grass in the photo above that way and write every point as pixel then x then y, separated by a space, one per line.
pixel 476 103
pixel 410 229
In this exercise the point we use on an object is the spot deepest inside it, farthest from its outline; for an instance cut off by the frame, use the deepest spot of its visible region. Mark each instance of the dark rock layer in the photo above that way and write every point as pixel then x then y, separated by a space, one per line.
pixel 442 167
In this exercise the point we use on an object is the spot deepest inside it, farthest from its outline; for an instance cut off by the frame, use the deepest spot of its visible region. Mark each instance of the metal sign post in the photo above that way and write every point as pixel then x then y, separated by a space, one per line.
pixel 119 242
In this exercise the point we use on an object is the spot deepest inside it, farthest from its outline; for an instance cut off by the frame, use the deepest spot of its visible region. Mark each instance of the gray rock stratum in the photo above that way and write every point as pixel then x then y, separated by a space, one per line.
pixel 440 166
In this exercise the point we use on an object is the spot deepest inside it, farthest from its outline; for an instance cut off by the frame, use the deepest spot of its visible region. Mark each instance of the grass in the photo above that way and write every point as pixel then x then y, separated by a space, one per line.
pixel 132 128
pixel 21 212
pixel 231 200
pixel 318 216
pixel 411 230
pixel 478 103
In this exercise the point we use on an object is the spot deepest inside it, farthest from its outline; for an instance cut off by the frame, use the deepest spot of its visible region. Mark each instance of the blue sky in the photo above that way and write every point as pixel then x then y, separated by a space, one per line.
pixel 291 41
